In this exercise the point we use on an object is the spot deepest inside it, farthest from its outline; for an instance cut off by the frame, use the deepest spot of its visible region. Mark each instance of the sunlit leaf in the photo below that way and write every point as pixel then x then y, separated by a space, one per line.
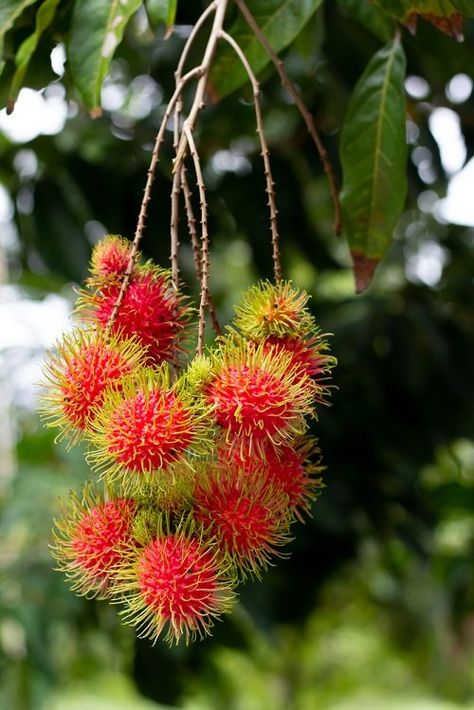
pixel 373 156
pixel 44 17
pixel 97 30
pixel 280 21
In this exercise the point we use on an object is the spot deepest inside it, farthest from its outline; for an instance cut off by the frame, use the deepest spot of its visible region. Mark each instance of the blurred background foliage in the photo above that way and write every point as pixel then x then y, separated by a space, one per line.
pixel 375 606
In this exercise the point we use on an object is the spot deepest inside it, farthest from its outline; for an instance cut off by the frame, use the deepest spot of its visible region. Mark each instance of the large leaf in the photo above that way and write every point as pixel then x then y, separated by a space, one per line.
pixel 44 17
pixel 444 14
pixel 280 20
pixel 97 29
pixel 371 17
pixel 162 11
pixel 464 6
pixel 373 156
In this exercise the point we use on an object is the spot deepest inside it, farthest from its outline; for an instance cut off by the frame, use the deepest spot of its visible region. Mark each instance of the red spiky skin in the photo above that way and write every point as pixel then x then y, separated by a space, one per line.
pixel 247 516
pixel 306 354
pixel 86 377
pixel 149 432
pixel 251 402
pixel 100 537
pixel 110 257
pixel 179 583
pixel 150 310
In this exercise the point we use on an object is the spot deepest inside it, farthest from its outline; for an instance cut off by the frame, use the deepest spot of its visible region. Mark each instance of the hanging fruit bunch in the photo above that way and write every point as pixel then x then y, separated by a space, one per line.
pixel 201 463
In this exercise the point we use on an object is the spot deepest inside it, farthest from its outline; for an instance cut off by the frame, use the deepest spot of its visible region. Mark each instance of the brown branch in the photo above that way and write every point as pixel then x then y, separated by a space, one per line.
pixel 307 117
pixel 204 299
pixel 175 190
pixel 191 220
pixel 270 185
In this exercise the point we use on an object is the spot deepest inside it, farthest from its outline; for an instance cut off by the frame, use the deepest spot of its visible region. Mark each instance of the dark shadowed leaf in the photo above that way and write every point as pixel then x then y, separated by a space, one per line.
pixel 280 21
pixel 373 156
pixel 97 30
pixel 444 14
pixel 373 18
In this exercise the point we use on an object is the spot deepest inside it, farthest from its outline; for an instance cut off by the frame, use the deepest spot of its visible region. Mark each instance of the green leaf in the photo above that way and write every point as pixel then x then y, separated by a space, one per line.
pixel 280 21
pixel 97 30
pixel 464 6
pixel 9 11
pixel 160 11
pixel 373 157
pixel 44 17
pixel 370 17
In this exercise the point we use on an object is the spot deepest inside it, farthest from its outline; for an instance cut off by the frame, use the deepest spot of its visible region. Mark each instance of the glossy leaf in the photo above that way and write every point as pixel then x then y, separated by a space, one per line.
pixel 162 11
pixel 373 156
pixel 371 17
pixel 44 17
pixel 281 21
pixel 97 29
pixel 9 11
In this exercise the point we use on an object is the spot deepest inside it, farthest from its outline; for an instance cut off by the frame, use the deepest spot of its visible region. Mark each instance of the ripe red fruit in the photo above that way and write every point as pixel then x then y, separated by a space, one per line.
pixel 145 427
pixel 175 584
pixel 110 257
pixel 246 514
pixel 78 372
pixel 91 540
pixel 151 311
pixel 258 396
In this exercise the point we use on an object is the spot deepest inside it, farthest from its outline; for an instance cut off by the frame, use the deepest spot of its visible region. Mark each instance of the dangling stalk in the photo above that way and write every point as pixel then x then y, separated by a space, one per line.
pixel 175 190
pixel 265 153
pixel 299 103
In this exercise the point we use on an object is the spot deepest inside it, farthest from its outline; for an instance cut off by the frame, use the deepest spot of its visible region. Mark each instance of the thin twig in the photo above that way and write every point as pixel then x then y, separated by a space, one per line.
pixel 192 36
pixel 265 153
pixel 175 190
pixel 192 74
pixel 204 300
pixel 191 220
pixel 307 117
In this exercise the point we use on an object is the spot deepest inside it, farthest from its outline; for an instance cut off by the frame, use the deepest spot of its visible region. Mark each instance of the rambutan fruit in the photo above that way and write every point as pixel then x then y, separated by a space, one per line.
pixel 90 540
pixel 147 426
pixel 78 371
pixel 110 258
pixel 176 585
pixel 309 357
pixel 258 395
pixel 273 309
pixel 151 310
pixel 246 514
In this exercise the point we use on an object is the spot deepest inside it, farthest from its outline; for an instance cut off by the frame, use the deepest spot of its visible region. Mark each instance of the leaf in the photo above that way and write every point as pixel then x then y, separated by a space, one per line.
pixel 9 11
pixel 97 30
pixel 162 11
pixel 444 14
pixel 44 17
pixel 464 6
pixel 373 157
pixel 370 17
pixel 279 20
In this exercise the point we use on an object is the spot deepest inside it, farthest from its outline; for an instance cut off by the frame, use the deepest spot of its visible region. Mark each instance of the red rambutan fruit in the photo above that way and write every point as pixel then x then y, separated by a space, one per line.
pixel 176 584
pixel 78 371
pixel 110 257
pixel 247 515
pixel 147 426
pixel 258 396
pixel 151 311
pixel 308 356
pixel 273 309
pixel 90 540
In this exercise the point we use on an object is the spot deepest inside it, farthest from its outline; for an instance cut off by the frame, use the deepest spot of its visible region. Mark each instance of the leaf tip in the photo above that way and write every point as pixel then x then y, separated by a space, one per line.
pixel 364 268
pixel 95 112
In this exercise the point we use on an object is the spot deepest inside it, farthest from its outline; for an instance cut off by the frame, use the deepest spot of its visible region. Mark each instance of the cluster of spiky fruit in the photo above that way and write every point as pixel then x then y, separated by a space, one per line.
pixel 204 467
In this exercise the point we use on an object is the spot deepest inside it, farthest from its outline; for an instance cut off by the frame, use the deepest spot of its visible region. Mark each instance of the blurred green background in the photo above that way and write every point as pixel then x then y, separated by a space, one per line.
pixel 375 606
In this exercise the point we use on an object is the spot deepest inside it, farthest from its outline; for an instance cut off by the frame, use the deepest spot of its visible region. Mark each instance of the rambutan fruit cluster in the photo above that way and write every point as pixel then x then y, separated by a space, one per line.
pixel 202 464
